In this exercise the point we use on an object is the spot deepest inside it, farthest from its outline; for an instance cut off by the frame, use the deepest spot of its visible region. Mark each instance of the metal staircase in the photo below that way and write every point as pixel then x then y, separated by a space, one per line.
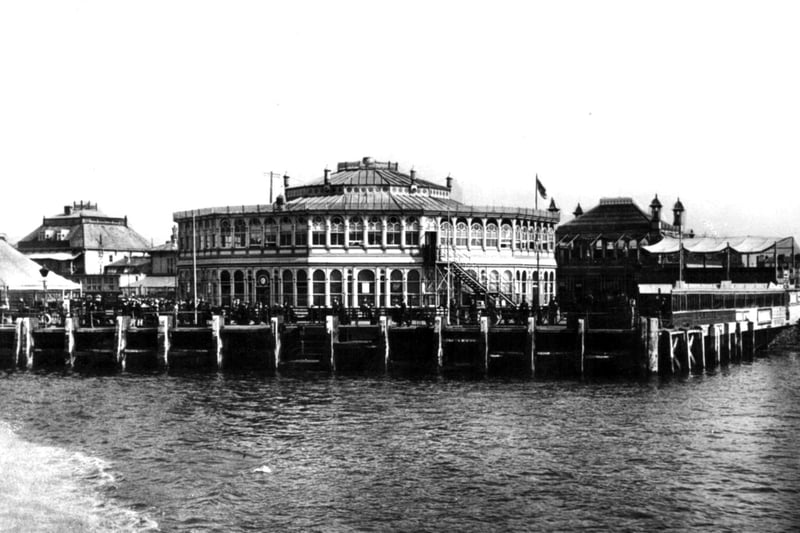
pixel 458 262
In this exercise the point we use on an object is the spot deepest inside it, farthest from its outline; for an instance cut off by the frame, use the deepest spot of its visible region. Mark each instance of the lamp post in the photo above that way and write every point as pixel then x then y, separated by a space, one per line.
pixel 44 272
pixel 678 210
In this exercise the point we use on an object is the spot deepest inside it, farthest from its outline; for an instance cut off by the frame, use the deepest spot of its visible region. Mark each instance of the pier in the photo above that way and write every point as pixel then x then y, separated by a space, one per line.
pixel 556 351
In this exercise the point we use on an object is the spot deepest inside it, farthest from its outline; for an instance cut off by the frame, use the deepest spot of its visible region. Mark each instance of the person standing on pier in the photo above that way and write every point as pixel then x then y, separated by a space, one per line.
pixel 524 311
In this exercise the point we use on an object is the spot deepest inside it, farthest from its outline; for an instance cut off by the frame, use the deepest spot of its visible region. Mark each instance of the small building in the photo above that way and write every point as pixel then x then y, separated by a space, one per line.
pixel 81 242
pixel 605 253
pixel 160 282
pixel 366 234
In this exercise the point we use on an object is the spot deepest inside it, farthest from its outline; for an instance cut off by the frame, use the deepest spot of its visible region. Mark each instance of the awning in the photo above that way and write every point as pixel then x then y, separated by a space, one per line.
pixel 711 245
pixel 20 273
pixel 55 256
pixel 156 282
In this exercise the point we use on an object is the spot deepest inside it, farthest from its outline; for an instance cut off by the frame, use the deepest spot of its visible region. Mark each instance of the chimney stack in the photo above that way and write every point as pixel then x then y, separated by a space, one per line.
pixel 327 176
pixel 67 210
pixel 413 176
pixel 449 183
pixel 285 181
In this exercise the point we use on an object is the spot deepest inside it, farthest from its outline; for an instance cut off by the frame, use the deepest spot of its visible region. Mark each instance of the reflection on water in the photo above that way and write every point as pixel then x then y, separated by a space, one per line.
pixel 197 452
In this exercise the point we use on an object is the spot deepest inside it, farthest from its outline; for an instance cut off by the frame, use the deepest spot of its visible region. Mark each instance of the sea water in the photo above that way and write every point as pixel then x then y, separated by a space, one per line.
pixel 314 452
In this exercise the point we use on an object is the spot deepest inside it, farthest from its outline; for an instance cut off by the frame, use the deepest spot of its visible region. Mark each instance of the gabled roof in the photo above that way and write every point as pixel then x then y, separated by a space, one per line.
pixel 109 237
pixel 612 217
pixel 17 272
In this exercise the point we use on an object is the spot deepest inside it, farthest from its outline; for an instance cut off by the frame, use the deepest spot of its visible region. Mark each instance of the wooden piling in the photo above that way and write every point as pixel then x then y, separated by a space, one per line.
pixel 483 344
pixel 19 340
pixel 163 339
pixel 739 347
pixel 437 333
pixel 69 340
pixel 383 340
pixel 751 345
pixel 730 346
pixel 530 345
pixel 216 340
pixel 581 344
pixel 332 329
pixel 276 340
pixel 122 324
pixel 28 325
pixel 650 328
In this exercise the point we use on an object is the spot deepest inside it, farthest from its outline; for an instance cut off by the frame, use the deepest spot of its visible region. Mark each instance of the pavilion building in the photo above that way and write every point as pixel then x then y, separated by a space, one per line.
pixel 367 233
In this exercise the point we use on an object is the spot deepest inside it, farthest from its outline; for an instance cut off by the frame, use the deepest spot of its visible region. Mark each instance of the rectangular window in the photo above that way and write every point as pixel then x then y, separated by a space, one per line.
pixel 301 237
pixel 286 237
pixel 318 238
pixel 412 238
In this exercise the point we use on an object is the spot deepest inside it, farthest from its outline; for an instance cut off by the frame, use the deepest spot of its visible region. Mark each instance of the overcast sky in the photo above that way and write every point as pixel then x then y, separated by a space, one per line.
pixel 148 108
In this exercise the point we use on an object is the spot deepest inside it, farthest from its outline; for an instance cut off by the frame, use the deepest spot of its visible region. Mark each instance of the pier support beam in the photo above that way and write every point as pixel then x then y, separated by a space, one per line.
pixel 739 346
pixel 729 344
pixel 19 340
pixel 649 333
pixel 122 323
pixel 383 340
pixel 163 339
pixel 580 345
pixel 276 340
pixel 750 352
pixel 216 340
pixel 332 329
pixel 437 334
pixel 695 350
pixel 483 344
pixel 530 345
pixel 69 340
pixel 27 341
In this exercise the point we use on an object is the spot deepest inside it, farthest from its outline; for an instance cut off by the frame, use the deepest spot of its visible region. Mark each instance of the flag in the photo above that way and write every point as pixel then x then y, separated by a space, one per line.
pixel 540 188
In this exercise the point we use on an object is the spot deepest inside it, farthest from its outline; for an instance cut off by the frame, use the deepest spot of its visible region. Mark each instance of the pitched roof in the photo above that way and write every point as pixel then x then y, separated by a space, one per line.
pixel 17 272
pixel 107 236
pixel 372 201
pixel 612 217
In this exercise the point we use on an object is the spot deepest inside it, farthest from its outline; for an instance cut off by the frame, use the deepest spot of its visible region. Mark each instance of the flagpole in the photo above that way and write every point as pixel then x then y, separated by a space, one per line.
pixel 538 245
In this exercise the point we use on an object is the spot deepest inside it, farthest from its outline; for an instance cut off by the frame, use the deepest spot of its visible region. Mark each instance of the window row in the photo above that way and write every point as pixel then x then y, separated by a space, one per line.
pixel 286 232
pixel 494 236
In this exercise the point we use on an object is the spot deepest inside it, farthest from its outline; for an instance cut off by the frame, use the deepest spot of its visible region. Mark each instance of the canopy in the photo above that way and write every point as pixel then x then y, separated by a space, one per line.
pixel 18 273
pixel 710 245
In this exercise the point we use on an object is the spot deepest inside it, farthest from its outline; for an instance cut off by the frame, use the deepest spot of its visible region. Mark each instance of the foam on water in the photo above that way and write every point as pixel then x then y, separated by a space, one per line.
pixel 46 488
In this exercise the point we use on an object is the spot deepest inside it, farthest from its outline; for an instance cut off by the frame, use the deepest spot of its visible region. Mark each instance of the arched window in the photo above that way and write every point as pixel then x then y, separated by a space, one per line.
pixel 287 287
pixel 337 231
pixel 374 231
pixel 318 288
pixel 393 232
pixel 505 236
pixel 302 288
pixel 225 233
pixel 366 287
pixel 507 282
pixel 396 287
pixel 446 234
pixel 263 287
pixel 225 286
pixel 256 235
pixel 270 233
pixel 461 234
pixel 532 238
pixel 494 281
pixel 414 288
pixel 318 231
pixel 356 233
pixel 491 235
pixel 239 233
pixel 301 233
pixel 476 235
pixel 412 232
pixel 286 232
pixel 521 239
pixel 238 285
pixel 336 286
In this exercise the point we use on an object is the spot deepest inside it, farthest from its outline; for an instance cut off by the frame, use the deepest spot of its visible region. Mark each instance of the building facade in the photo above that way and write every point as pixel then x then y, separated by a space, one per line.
pixel 365 234
pixel 81 242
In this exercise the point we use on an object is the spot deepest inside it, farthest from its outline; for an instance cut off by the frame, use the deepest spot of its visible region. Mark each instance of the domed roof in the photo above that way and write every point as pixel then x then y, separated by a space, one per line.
pixel 369 172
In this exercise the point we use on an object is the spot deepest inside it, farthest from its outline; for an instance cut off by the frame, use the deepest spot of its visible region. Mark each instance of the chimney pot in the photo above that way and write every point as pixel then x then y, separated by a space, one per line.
pixel 449 182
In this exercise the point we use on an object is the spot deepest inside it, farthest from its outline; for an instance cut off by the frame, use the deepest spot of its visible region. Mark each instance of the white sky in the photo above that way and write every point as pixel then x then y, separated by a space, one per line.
pixel 151 107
